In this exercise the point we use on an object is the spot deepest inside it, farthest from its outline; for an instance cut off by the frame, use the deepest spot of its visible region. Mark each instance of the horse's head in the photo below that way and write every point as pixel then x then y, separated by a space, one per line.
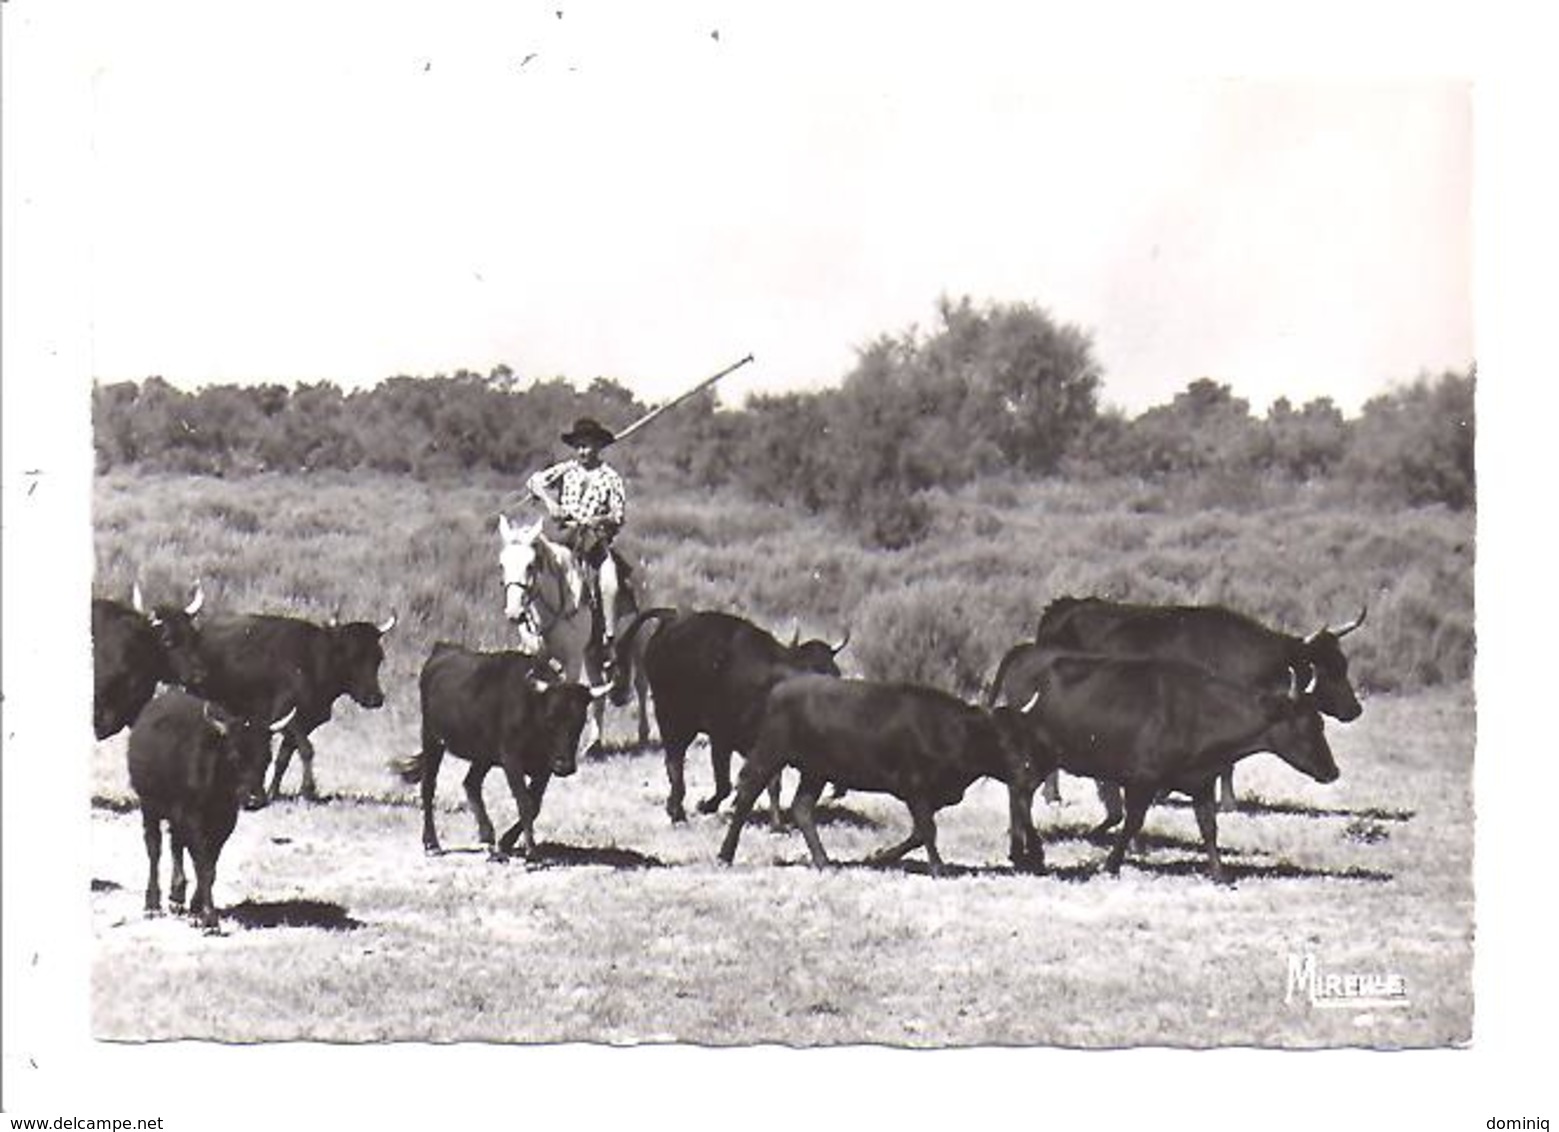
pixel 520 558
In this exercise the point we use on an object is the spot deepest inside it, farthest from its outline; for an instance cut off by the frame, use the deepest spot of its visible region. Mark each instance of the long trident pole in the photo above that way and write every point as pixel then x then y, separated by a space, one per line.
pixel 675 401
pixel 653 414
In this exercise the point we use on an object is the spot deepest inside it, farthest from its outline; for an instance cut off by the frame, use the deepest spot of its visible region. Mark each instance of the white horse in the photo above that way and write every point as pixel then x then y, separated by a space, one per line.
pixel 545 596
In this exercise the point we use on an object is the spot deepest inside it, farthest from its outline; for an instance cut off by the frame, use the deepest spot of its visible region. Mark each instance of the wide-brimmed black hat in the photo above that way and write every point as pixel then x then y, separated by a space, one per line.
pixel 588 430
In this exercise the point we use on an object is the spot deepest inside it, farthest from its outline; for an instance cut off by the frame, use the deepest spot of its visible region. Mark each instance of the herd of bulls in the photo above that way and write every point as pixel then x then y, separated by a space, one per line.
pixel 1142 699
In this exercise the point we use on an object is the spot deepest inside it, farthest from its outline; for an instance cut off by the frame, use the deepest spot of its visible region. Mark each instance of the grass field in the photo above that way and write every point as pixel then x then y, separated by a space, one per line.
pixel 626 930
pixel 338 928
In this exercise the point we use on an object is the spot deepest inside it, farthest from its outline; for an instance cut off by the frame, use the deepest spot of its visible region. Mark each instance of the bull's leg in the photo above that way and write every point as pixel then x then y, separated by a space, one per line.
pixel 1110 795
pixel 176 882
pixel 802 806
pixel 538 789
pixel 283 757
pixel 1138 799
pixel 473 785
pixel 776 814
pixel 1207 821
pixel 1024 848
pixel 914 841
pixel 202 909
pixel 924 815
pixel 748 787
pixel 151 832
pixel 1052 792
pixel 523 830
pixel 675 741
pixel 432 756
pixel 720 763
pixel 306 753
pixel 1227 802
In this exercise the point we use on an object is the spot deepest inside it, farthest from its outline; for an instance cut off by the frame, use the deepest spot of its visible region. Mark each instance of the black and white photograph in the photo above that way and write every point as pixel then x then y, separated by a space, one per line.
pixel 840 535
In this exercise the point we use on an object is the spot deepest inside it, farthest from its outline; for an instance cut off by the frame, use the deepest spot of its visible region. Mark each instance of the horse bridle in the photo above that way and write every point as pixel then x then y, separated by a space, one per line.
pixel 534 606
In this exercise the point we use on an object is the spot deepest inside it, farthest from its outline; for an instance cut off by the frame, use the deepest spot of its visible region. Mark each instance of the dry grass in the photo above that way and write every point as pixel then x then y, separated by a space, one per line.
pixel 338 928
pixel 626 931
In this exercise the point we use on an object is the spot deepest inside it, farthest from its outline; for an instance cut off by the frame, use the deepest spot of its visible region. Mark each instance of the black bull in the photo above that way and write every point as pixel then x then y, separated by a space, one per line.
pixel 1151 725
pixel 260 666
pixel 133 649
pixel 493 709
pixel 193 765
pixel 1228 644
pixel 711 672
pixel 921 745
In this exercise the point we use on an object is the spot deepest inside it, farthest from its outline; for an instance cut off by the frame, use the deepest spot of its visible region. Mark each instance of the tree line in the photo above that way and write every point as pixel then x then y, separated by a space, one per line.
pixel 993 390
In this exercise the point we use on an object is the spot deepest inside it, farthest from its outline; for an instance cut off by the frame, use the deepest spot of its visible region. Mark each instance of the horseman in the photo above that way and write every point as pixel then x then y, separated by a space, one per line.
pixel 586 498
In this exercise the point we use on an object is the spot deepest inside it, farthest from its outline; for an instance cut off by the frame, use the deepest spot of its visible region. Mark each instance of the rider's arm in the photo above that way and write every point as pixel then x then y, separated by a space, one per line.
pixel 546 485
pixel 616 503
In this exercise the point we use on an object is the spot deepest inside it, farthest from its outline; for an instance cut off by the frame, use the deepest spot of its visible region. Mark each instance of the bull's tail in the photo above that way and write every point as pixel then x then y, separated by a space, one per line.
pixel 993 693
pixel 622 660
pixel 408 769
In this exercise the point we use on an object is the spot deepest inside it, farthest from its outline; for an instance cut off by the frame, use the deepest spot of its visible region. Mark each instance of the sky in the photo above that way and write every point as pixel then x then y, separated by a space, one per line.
pixel 589 190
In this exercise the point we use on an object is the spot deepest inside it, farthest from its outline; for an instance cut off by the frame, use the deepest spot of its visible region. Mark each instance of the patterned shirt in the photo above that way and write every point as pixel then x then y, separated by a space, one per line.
pixel 587 495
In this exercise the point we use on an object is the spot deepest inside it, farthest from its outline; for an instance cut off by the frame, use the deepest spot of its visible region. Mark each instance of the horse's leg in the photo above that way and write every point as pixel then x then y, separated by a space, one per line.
pixel 641 688
pixel 606 581
pixel 283 757
pixel 1227 802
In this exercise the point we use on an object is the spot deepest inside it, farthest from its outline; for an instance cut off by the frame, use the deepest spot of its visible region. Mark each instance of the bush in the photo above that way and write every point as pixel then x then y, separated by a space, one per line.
pixel 1415 446
pixel 945 634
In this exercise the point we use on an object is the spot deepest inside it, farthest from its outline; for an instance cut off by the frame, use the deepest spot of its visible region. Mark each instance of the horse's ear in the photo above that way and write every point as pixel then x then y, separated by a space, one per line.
pixel 504 530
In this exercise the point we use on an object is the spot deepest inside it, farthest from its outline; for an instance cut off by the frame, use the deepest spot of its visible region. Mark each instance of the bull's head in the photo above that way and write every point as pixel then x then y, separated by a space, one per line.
pixel 249 749
pixel 818 655
pixel 358 656
pixel 1321 654
pixel 177 637
pixel 1297 736
pixel 564 711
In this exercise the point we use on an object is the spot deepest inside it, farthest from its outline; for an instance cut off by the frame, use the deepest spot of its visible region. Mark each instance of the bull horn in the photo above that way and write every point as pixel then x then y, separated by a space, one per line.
pixel 281 723
pixel 839 648
pixel 135 598
pixel 795 632
pixel 1293 683
pixel 205 711
pixel 1354 624
pixel 388 625
pixel 599 690
pixel 1032 700
pixel 197 601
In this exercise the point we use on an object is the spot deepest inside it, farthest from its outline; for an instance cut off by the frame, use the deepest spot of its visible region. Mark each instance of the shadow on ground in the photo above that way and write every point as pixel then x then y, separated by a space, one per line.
pixel 550 854
pixel 292 914
pixel 1146 840
pixel 1255 804
pixel 1090 871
